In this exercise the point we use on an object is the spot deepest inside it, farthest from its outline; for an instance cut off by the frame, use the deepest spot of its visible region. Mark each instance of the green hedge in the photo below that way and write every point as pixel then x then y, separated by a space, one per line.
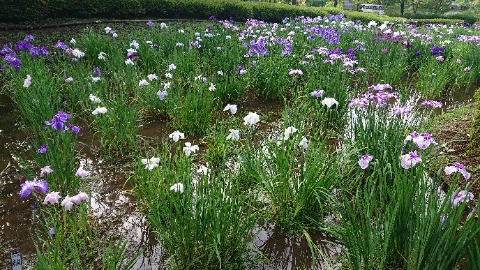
pixel 434 21
pixel 367 17
pixel 36 10
pixel 468 17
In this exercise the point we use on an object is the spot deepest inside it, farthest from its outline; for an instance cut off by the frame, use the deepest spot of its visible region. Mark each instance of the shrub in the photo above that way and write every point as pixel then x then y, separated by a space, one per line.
pixel 13 10
pixel 124 8
pixel 366 17
pixel 84 8
pixel 239 11
pixel 30 10
pixel 435 21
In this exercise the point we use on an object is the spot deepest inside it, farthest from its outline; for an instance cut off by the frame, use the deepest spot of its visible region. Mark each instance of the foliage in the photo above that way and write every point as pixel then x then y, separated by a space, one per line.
pixel 203 221
pixel 295 182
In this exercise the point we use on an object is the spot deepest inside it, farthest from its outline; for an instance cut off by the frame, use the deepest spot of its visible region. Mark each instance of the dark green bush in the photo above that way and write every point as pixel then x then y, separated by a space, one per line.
pixel 198 9
pixel 467 17
pixel 239 11
pixel 124 8
pixel 22 10
pixel 434 21
pixel 75 8
pixel 273 12
pixel 35 10
pixel 366 17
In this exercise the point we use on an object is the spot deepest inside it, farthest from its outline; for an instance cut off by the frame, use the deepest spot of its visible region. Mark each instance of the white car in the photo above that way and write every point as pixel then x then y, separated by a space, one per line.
pixel 372 8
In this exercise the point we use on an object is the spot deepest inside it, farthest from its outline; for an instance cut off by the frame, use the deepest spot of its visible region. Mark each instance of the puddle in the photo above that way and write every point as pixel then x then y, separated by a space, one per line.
pixel 290 253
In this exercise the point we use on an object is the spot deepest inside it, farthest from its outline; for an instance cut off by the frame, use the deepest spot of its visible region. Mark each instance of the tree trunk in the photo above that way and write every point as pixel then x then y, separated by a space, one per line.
pixel 402 7
pixel 335 2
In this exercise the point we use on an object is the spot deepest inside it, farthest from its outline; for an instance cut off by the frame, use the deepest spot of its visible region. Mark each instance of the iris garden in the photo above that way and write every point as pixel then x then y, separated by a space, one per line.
pixel 350 155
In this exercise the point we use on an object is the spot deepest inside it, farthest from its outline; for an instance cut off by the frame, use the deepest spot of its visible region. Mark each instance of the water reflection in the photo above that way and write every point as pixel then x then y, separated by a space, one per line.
pixel 289 252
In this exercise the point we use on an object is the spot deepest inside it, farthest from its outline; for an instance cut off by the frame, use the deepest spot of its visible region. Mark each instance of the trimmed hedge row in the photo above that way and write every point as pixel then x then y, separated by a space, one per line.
pixel 35 10
pixel 466 17
pixel 435 21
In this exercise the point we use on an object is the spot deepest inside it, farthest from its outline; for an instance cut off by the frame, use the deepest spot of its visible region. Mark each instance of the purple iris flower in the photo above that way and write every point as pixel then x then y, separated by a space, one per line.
pixel 73 128
pixel 60 45
pixel 239 69
pixel 150 23
pixel 34 51
pixel 6 51
pixel 27 187
pixel 212 18
pixel 57 121
pixel 418 53
pixel 13 61
pixel 436 50
pixel 96 72
pixel 42 149
pixel 287 48
pixel 22 46
pixel 29 38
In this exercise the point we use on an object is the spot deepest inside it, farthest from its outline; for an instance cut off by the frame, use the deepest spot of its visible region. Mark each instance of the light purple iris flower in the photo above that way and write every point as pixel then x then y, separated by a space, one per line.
pixel 461 196
pixel 411 159
pixel 150 23
pixel 45 170
pixel 52 198
pixel 27 187
pixel 400 110
pixel 422 141
pixel 364 161
pixel 457 167
pixel 77 199
pixel 82 173
pixel 317 93
pixel 294 72
pixel 162 94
